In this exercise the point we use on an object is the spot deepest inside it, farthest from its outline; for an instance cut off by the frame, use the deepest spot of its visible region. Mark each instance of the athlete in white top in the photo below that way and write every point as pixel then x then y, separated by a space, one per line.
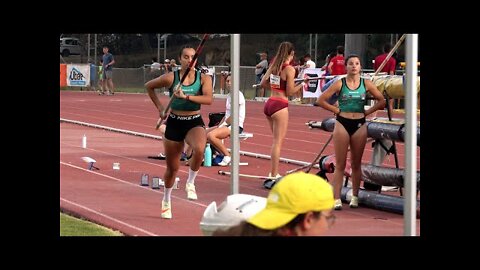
pixel 216 135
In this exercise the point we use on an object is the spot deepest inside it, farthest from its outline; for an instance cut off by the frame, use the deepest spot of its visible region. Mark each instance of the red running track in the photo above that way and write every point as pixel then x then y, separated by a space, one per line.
pixel 115 198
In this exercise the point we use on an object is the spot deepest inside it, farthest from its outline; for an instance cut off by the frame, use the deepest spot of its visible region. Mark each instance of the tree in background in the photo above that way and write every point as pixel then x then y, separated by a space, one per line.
pixel 134 50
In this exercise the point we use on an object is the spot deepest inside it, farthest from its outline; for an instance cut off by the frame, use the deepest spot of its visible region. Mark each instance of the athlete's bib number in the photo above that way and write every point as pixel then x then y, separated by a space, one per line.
pixel 274 81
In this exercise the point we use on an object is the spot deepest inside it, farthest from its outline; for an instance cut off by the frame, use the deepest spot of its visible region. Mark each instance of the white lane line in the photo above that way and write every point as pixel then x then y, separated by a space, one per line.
pixel 108 217
pixel 128 183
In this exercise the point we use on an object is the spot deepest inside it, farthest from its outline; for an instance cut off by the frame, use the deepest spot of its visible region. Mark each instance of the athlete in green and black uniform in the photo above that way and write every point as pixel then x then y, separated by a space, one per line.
pixel 184 123
pixel 349 128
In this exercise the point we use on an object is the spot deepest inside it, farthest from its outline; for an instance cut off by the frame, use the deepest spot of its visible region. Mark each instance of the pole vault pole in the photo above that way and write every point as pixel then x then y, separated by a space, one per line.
pixel 310 165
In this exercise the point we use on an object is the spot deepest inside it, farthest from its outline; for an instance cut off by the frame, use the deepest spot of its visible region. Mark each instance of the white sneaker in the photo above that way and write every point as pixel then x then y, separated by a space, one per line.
pixel 277 176
pixel 191 193
pixel 296 100
pixel 166 210
pixel 338 204
pixel 225 161
pixel 354 202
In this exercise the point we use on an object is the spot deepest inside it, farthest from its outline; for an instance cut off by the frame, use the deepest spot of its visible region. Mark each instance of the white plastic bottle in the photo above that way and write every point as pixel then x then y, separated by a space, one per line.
pixel 84 141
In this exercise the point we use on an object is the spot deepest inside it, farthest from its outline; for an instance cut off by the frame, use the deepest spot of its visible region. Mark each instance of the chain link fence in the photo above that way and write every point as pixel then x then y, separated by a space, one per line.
pixel 134 79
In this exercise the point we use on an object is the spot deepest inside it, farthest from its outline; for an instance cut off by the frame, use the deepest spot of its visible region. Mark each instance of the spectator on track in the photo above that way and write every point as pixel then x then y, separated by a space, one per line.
pixel 108 62
pixel 155 68
pixel 389 67
pixel 260 70
pixel 337 63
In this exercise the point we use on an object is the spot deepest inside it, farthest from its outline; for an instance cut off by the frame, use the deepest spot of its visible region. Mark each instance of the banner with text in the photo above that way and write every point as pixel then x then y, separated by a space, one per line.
pixel 78 75
pixel 312 89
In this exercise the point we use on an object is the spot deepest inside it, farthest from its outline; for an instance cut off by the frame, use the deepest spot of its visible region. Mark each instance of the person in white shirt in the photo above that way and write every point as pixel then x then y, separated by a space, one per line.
pixel 174 65
pixel 155 65
pixel 308 61
pixel 216 135
pixel 307 58
pixel 154 68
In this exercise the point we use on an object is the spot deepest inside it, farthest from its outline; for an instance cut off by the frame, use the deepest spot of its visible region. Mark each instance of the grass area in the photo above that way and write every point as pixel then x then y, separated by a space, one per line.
pixel 71 226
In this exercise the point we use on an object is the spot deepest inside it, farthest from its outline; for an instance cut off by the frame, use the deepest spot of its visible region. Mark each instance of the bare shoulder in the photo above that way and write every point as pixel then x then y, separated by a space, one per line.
pixel 369 85
pixel 289 68
pixel 206 78
pixel 168 76
pixel 338 83
pixel 167 79
pixel 336 86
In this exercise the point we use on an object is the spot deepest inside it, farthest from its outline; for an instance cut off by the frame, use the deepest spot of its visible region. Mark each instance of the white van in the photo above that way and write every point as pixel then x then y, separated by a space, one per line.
pixel 69 45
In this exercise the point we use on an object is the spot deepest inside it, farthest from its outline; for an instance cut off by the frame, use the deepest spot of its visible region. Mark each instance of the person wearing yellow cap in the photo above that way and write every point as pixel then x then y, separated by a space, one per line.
pixel 300 204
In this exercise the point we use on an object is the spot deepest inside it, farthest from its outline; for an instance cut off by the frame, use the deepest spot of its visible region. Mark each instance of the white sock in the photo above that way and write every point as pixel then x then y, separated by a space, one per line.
pixel 191 176
pixel 167 193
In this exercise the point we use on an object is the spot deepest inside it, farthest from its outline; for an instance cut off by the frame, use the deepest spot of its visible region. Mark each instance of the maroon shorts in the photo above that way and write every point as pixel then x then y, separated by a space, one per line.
pixel 274 105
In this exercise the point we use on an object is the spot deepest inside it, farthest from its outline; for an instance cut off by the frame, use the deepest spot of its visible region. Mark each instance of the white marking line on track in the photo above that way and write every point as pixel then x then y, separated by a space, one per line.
pixel 155 164
pixel 364 158
pixel 128 183
pixel 109 217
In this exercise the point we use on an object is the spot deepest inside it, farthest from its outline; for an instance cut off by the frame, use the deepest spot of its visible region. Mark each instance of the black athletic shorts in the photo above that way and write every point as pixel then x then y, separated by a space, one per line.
pixel 178 126
pixel 351 125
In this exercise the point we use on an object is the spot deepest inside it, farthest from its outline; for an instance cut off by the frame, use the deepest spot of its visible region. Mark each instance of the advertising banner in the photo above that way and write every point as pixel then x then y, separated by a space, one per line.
pixel 78 75
pixel 312 89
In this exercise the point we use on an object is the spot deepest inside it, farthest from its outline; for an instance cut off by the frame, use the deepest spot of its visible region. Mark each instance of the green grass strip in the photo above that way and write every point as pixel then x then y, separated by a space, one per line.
pixel 71 226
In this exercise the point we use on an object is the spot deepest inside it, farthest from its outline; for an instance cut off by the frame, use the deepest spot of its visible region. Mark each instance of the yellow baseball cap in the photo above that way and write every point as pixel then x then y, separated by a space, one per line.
pixel 294 194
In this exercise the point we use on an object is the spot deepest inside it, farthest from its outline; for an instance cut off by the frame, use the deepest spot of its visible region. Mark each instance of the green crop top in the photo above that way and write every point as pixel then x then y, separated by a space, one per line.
pixel 352 100
pixel 192 90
